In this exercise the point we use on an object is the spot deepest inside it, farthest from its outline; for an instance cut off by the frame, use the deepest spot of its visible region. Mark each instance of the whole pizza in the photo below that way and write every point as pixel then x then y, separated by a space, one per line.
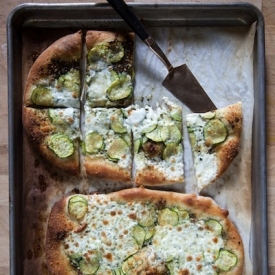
pixel 140 231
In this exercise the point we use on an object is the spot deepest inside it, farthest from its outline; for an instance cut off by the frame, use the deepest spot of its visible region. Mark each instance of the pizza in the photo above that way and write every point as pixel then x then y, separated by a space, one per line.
pixel 54 78
pixel 158 151
pixel 141 231
pixel 56 134
pixel 109 69
pixel 107 144
pixel 215 138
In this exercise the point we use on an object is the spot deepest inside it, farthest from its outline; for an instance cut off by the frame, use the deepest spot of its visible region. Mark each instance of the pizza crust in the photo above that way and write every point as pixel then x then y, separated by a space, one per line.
pixel 39 128
pixel 228 150
pixel 102 168
pixel 67 49
pixel 212 160
pixel 60 223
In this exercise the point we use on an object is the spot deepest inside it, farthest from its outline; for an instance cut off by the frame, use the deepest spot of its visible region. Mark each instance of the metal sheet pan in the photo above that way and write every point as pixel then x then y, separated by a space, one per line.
pixel 62 18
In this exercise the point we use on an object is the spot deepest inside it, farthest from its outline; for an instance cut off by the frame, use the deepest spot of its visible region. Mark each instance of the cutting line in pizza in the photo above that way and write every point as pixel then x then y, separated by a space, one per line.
pixel 79 113
pixel 139 231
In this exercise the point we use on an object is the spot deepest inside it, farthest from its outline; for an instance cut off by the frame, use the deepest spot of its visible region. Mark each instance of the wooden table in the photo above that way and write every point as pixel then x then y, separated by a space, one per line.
pixel 268 9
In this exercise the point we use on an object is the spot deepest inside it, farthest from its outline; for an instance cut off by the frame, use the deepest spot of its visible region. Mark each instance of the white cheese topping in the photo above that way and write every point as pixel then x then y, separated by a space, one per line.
pixel 99 120
pixel 67 121
pixel 140 119
pixel 107 235
pixel 98 83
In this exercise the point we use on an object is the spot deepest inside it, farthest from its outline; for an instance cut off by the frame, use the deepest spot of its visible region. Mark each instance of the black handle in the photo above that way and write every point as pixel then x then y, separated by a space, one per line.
pixel 129 17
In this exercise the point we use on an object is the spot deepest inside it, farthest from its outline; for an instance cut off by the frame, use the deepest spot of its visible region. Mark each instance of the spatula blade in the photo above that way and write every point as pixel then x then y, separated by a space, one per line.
pixel 184 86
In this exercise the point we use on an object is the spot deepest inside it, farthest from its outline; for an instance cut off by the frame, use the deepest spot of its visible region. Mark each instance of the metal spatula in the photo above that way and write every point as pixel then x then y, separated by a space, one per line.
pixel 180 81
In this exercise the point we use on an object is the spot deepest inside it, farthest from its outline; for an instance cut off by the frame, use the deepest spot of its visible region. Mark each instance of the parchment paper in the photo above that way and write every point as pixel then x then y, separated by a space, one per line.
pixel 222 61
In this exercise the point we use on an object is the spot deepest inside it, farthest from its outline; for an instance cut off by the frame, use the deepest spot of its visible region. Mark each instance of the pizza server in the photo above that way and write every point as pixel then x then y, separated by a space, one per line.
pixel 180 81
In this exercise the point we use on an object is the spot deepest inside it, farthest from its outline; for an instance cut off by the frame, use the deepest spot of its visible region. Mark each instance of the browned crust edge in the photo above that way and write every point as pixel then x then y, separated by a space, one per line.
pixel 227 151
pixel 103 168
pixel 67 49
pixel 38 129
pixel 203 207
pixel 151 176
pixel 98 37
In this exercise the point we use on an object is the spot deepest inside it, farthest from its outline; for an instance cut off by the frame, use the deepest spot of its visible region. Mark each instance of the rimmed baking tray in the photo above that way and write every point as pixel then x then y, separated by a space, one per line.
pixel 70 17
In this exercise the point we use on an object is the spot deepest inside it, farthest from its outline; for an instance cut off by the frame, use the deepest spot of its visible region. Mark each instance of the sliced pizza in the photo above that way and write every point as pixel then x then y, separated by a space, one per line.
pixel 107 144
pixel 215 138
pixel 109 72
pixel 139 231
pixel 158 151
pixel 55 134
pixel 54 78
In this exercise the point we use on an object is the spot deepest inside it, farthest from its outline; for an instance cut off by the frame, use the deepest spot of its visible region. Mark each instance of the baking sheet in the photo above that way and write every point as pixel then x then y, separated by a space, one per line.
pixel 200 44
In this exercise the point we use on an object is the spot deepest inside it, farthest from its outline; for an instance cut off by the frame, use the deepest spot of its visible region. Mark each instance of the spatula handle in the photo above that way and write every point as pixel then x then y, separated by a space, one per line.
pixel 129 17
pixel 134 23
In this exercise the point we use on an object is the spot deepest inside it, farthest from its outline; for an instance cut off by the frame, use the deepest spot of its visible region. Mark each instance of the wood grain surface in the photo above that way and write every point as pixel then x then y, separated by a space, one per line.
pixel 6 6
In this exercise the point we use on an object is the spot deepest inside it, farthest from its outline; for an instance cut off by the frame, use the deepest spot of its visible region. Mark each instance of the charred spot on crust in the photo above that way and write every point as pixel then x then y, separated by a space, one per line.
pixel 60 235
pixel 161 204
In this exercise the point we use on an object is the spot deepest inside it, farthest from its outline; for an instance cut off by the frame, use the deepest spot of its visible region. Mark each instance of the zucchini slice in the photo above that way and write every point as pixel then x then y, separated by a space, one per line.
pixel 118 149
pixel 171 149
pixel 149 128
pixel 150 231
pixel 139 234
pixel 111 52
pixel 89 268
pixel 42 96
pixel 208 115
pixel 137 145
pixel 175 135
pixel 214 132
pixel 214 226
pixel 70 81
pixel 176 114
pixel 61 145
pixel 94 143
pixel 168 217
pixel 117 123
pixel 75 259
pixel 120 89
pixel 76 198
pixel 183 214
pixel 226 260
pixel 77 207
pixel 156 134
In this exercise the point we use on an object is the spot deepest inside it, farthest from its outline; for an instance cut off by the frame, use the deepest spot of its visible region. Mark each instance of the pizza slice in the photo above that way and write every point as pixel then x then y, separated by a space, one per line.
pixel 107 144
pixel 215 138
pixel 158 151
pixel 109 72
pixel 55 134
pixel 139 231
pixel 54 78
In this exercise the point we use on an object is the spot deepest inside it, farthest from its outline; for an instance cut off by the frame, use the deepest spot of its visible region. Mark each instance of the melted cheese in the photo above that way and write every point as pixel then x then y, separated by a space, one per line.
pixel 66 121
pixel 141 118
pixel 98 83
pixel 107 234
pixel 205 162
pixel 99 120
